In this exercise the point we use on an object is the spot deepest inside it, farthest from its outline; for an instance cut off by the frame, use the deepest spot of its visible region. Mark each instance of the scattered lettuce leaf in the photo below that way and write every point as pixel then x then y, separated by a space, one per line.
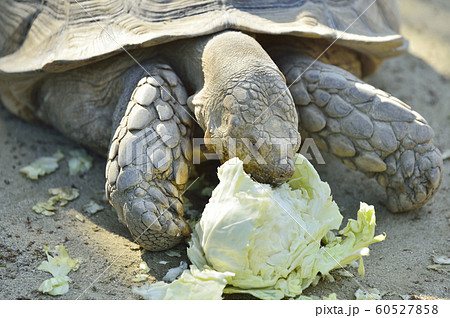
pixel 42 166
pixel 441 259
pixel 406 297
pixel 55 286
pixel 172 253
pixel 79 161
pixel 140 277
pixel 59 264
pixel 270 238
pixel 44 208
pixel 330 297
pixel 144 267
pixel 92 207
pixel 173 273
pixel 63 195
pixel 193 284
pixel 80 218
pixel 59 195
pixel 370 294
pixel 436 267
pixel 343 272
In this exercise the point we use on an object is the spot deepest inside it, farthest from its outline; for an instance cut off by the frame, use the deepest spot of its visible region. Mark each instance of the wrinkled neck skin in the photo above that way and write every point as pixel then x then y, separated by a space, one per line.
pixel 241 101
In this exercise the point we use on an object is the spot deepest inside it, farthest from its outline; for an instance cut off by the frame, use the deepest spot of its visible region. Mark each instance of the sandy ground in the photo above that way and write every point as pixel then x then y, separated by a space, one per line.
pixel 109 259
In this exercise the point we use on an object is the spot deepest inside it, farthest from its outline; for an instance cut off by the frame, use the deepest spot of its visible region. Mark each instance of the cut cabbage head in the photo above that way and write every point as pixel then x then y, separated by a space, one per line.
pixel 277 240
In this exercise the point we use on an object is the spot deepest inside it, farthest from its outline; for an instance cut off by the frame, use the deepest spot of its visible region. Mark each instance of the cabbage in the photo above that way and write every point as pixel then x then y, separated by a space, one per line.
pixel 92 207
pixel 79 161
pixel 42 166
pixel 193 284
pixel 59 195
pixel 59 265
pixel 173 273
pixel 277 240
pixel 371 294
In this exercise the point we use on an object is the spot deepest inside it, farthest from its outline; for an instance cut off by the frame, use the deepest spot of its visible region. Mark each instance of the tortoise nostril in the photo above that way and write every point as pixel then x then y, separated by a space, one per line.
pixel 253 140
pixel 282 171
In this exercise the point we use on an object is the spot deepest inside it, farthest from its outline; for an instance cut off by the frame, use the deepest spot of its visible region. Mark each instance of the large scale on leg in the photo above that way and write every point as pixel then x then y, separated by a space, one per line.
pixel 149 160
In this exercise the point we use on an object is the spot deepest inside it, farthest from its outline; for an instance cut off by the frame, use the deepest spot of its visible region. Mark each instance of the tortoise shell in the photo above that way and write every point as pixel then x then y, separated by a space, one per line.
pixel 58 35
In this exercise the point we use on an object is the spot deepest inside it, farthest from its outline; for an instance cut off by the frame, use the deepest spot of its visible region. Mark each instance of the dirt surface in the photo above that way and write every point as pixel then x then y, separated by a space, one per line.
pixel 109 259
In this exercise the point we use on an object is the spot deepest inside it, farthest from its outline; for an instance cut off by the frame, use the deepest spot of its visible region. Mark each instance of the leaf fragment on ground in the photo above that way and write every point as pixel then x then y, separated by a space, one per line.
pixel 144 267
pixel 44 208
pixel 143 274
pixel 55 286
pixel 172 253
pixel 175 272
pixel 42 166
pixel 79 161
pixel 343 272
pixel 59 264
pixel 405 297
pixel 441 259
pixel 59 195
pixel 63 195
pixel 370 294
pixel 92 207
pixel 436 267
pixel 140 278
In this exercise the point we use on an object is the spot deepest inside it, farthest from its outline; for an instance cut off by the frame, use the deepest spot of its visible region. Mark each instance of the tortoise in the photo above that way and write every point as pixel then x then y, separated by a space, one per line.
pixel 132 80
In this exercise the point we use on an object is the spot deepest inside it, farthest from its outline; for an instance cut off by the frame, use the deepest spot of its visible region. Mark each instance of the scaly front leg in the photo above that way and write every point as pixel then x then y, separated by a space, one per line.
pixel 368 129
pixel 149 159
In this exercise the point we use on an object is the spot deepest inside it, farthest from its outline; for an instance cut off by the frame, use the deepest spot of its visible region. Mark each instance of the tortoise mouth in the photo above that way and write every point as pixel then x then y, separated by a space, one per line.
pixel 273 174
pixel 267 158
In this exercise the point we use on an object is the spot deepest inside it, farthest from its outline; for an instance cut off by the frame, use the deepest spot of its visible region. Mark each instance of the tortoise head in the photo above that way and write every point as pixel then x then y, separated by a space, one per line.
pixel 246 110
